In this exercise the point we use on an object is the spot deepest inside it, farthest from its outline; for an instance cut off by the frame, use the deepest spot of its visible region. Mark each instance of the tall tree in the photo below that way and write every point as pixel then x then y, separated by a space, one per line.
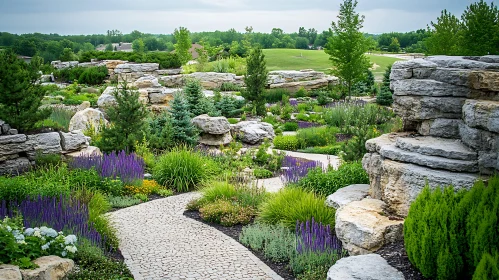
pixel 20 93
pixel 394 45
pixel 183 44
pixel 347 46
pixel 193 93
pixel 184 131
pixel 127 120
pixel 256 80
pixel 480 29
pixel 444 35
pixel 138 45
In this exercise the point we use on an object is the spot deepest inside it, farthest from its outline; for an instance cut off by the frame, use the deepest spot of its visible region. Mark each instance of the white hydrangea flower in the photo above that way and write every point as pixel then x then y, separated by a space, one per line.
pixel 70 239
pixel 48 232
pixel 29 231
pixel 45 246
pixel 37 233
pixel 22 242
pixel 71 249
pixel 64 253
pixel 9 229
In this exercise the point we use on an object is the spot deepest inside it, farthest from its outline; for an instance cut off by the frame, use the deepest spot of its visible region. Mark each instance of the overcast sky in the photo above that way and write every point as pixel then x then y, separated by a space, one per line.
pixel 163 16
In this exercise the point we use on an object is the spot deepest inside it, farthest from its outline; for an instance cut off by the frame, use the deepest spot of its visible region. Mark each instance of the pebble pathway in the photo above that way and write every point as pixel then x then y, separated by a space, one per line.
pixel 158 242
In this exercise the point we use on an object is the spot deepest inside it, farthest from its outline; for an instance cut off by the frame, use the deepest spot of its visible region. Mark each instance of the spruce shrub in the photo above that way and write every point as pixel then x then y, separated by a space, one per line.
pixel 488 268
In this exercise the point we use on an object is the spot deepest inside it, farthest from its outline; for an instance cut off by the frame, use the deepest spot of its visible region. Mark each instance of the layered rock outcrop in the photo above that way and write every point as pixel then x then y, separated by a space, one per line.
pixel 215 131
pixel 252 132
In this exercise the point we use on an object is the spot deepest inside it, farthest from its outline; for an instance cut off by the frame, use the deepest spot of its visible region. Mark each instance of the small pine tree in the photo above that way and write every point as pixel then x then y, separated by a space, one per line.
pixel 20 93
pixel 385 95
pixel 488 268
pixel 127 121
pixel 193 92
pixel 183 130
pixel 256 80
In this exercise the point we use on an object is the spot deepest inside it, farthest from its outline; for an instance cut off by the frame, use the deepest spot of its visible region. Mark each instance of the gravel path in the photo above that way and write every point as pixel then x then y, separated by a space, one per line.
pixel 158 242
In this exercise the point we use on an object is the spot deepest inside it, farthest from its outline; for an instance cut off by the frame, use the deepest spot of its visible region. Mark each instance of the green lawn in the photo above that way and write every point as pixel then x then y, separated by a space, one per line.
pixel 293 59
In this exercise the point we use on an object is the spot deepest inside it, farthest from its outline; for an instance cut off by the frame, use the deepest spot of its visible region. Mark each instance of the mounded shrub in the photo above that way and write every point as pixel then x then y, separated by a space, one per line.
pixel 286 142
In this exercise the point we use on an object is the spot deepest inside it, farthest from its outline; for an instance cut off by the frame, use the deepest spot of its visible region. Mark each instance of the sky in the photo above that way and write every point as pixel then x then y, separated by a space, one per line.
pixel 163 16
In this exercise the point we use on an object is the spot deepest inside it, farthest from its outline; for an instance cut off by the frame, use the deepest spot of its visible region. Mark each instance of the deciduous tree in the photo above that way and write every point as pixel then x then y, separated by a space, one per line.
pixel 183 44
pixel 445 35
pixel 480 29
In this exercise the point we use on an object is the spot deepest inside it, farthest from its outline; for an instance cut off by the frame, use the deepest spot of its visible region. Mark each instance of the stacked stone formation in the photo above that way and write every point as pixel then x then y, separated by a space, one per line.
pixel 215 131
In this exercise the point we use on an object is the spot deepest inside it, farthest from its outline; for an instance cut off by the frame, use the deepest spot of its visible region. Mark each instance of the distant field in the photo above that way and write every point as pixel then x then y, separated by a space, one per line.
pixel 293 59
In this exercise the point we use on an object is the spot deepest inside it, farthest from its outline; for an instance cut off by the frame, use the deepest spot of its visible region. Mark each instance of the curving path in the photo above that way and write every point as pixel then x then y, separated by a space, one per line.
pixel 158 242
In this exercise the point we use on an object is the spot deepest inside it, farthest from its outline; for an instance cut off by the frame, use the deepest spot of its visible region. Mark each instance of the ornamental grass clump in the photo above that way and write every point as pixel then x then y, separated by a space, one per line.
pixel 129 168
pixel 183 169
pixel 297 168
pixel 275 241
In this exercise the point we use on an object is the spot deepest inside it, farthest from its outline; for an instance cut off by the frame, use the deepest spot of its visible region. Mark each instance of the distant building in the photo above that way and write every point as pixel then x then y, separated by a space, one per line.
pixel 119 47
pixel 26 59
pixel 193 50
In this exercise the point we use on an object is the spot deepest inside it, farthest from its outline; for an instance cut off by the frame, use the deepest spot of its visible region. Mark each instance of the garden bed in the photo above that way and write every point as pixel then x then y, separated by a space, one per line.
pixel 396 256
pixel 234 232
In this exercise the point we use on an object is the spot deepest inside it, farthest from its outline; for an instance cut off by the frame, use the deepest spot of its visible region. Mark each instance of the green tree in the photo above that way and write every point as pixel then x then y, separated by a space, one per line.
pixel 20 94
pixel 256 80
pixel 127 121
pixel 193 93
pixel 183 44
pixel 67 55
pixel 480 29
pixel 109 47
pixel 488 268
pixel 385 95
pixel 138 46
pixel 301 43
pixel 184 132
pixel 444 36
pixel 87 47
pixel 347 46
pixel 394 45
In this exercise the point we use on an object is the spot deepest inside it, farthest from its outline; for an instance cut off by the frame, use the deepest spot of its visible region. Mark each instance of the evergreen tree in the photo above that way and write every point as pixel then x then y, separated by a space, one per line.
pixel 480 29
pixel 183 44
pixel 183 130
pixel 488 268
pixel 385 95
pixel 127 121
pixel 394 45
pixel 109 47
pixel 256 80
pixel 193 92
pixel 347 46
pixel 138 46
pixel 20 94
pixel 444 36
pixel 67 55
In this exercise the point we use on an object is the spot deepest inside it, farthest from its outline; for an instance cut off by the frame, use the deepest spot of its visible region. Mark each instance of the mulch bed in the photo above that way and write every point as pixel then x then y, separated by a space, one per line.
pixel 396 256
pixel 234 231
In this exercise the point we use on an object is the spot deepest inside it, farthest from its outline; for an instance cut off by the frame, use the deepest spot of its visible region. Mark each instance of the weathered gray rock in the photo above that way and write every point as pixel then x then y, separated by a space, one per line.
pixel 487 161
pixel 307 85
pixel 432 146
pixel 398 183
pixel 138 67
pixel 212 125
pixel 286 76
pixel 400 74
pixel 482 114
pixel 374 145
pixel 164 96
pixel 8 139
pixel 14 166
pixel 74 140
pixel 167 72
pixel 173 80
pixel 445 128
pixel 479 139
pixel 50 268
pixel 414 63
pixel 148 81
pixel 419 108
pixel 10 272
pixel 457 77
pixel 90 150
pixel 252 132
pixel 347 194
pixel 215 139
pixel 363 227
pixel 415 87
pixel 45 143
pixel 366 267
pixel 459 62
pixel 5 128
pixel 87 118
pixel 107 99
pixel 212 80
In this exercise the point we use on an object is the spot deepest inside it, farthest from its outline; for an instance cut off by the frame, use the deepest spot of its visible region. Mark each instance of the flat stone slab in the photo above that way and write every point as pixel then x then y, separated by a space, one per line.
pixel 363 227
pixel 159 242
pixel 417 87
pixel 366 267
pixel 482 114
pixel 433 146
pixel 394 153
pixel 346 195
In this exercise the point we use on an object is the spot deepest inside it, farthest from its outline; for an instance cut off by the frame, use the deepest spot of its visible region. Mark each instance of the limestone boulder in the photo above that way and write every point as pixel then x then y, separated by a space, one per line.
pixel 107 99
pixel 286 76
pixel 433 146
pixel 307 85
pixel 457 77
pixel 215 139
pixel 212 80
pixel 148 81
pixel 89 117
pixel 212 125
pixel 459 62
pixel 365 267
pixel 163 96
pixel 167 72
pixel 173 80
pixel 346 195
pixel 45 143
pixel 74 140
pixel 444 128
pixel 252 132
pixel 50 268
pixel 136 67
pixel 112 64
pixel 10 272
pixel 420 108
pixel 479 139
pixel 364 227
pixel 90 150
pixel 482 114
pixel 416 87
pixel 14 166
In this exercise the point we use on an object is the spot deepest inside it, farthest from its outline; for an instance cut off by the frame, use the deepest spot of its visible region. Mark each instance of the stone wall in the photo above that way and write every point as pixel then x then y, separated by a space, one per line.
pixel 450 108
pixel 18 151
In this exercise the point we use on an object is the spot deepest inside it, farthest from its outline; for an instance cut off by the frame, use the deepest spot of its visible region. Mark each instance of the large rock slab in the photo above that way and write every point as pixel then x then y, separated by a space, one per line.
pixel 136 67
pixel 87 118
pixel 212 80
pixel 107 99
pixel 482 114
pixel 307 85
pixel 174 81
pixel 286 76
pixel 460 62
pixel 148 81
pixel 479 139
pixel 215 139
pixel 484 80
pixel 252 132
pixel 212 125
pixel 420 108
pixel 10 272
pixel 444 128
pixel 88 151
pixel 366 267
pixel 432 146
pixel 162 96
pixel 347 194
pixel 457 77
pixel 50 268
pixel 45 143
pixel 73 141
pixel 416 87
pixel 363 226
pixel 398 183
pixel 14 166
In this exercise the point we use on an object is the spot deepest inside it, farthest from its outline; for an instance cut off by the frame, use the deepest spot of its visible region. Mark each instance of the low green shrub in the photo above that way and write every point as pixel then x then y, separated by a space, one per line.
pixel 330 181
pixel 327 150
pixel 260 173
pixel 290 126
pixel 183 169
pixel 227 86
pixel 302 116
pixel 123 201
pixel 275 241
pixel 275 95
pixel 243 195
pixel 308 262
pixel 93 75
pixel 488 268
pixel 316 136
pixel 276 109
pixel 232 120
pixel 302 92
pixel 290 205
pixel 286 142
pixel 227 213
pixel 318 272
pixel 164 192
